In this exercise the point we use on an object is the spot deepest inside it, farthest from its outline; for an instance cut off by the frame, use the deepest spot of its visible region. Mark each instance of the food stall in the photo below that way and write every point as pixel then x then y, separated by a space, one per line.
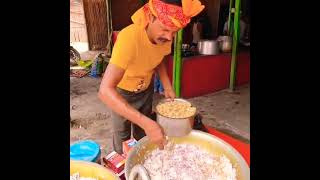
pixel 204 74
pixel 196 75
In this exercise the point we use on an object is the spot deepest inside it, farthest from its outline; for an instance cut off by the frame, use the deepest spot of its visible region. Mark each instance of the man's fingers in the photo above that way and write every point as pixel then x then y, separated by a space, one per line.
pixel 161 146
pixel 161 143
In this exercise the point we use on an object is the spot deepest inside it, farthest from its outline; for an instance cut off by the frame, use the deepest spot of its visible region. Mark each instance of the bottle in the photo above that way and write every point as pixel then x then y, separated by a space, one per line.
pixel 98 67
pixel 198 125
pixel 100 64
pixel 93 72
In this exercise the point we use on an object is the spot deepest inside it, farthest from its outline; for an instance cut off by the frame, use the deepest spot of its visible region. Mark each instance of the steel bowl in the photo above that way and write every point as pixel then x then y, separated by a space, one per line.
pixel 175 127
pixel 92 170
pixel 208 47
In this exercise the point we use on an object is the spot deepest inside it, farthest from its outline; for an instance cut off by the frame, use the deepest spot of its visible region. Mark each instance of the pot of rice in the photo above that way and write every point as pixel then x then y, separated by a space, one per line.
pixel 197 156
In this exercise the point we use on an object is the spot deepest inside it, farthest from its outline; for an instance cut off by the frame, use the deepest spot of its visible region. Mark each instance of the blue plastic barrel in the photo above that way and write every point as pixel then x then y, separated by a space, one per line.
pixel 86 150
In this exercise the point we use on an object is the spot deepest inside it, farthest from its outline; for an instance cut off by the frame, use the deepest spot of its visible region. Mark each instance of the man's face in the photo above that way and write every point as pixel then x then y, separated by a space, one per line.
pixel 160 33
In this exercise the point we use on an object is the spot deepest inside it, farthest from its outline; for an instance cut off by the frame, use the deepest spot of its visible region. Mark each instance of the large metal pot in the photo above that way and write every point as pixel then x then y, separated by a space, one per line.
pixel 225 43
pixel 93 170
pixel 208 47
pixel 209 142
pixel 175 127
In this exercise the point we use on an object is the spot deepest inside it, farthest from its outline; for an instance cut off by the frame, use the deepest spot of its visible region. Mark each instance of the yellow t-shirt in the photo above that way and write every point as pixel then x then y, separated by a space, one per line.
pixel 134 53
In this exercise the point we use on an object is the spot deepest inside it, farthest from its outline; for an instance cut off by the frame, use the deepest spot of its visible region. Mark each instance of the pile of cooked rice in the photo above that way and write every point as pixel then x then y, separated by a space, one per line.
pixel 188 162
pixel 76 176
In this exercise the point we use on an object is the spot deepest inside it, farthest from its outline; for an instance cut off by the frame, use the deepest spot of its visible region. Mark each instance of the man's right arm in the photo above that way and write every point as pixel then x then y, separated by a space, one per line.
pixel 109 95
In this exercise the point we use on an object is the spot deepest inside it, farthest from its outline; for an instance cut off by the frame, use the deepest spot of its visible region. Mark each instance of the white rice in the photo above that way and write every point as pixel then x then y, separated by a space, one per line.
pixel 188 162
pixel 76 176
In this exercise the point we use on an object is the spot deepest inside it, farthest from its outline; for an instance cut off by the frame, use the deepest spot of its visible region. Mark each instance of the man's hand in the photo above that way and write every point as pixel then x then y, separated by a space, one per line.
pixel 155 133
pixel 169 93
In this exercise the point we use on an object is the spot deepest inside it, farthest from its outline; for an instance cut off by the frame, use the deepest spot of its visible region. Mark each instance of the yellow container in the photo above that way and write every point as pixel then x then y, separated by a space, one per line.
pixel 92 170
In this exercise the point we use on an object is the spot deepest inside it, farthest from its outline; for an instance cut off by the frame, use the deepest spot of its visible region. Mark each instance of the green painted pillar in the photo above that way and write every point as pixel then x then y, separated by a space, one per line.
pixel 177 63
pixel 235 43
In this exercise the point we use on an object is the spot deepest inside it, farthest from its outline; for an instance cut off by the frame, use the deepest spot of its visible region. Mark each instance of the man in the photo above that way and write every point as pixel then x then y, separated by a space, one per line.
pixel 196 31
pixel 242 29
pixel 127 86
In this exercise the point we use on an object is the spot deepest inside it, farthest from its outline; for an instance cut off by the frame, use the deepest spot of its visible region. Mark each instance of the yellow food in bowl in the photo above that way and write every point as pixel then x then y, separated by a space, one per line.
pixel 176 109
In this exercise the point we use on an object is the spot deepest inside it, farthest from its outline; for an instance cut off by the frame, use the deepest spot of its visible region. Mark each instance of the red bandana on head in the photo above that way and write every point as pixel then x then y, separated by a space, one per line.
pixel 170 15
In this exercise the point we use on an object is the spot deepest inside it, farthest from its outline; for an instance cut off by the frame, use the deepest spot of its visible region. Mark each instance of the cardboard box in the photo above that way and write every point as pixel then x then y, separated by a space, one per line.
pixel 121 175
pixel 128 145
pixel 115 162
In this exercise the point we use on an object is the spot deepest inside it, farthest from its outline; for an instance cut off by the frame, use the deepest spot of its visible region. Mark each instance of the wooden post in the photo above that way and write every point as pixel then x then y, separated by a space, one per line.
pixel 95 12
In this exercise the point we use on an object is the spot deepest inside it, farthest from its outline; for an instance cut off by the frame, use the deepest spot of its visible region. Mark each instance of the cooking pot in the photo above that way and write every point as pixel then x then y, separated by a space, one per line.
pixel 225 43
pixel 208 47
pixel 211 143
pixel 93 170
pixel 176 127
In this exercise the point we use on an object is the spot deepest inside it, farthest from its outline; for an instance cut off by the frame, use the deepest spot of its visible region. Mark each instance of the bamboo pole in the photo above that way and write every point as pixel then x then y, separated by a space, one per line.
pixel 177 63
pixel 235 41
pixel 229 19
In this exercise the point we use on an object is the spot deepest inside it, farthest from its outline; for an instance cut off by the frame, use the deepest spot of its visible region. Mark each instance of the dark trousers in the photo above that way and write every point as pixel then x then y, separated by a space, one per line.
pixel 122 127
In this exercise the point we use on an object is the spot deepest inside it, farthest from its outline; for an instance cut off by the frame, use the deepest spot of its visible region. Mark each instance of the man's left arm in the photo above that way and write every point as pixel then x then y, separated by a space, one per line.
pixel 162 71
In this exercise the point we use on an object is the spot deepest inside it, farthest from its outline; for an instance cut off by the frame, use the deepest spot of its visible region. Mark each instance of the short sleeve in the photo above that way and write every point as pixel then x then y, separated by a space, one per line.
pixel 123 50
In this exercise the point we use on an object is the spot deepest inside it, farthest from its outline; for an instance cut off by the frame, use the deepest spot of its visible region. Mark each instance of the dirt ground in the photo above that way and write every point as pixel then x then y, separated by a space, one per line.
pixel 90 118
